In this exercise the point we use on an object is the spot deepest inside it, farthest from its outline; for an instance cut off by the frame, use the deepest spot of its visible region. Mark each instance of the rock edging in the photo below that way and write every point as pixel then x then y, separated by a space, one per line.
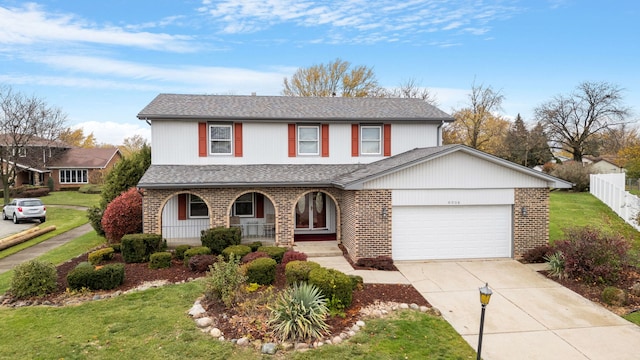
pixel 374 311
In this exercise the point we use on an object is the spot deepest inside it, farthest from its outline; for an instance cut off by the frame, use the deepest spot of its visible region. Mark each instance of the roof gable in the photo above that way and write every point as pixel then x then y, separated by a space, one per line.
pixel 282 108
pixel 89 158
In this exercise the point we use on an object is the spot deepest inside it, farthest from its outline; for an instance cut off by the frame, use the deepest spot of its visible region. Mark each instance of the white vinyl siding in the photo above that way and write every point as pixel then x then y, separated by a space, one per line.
pixel 220 137
pixel 308 140
pixel 370 140
pixel 74 176
pixel 451 232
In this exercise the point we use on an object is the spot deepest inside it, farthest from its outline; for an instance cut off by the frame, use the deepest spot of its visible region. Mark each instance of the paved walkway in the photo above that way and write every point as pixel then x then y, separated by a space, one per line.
pixel 33 252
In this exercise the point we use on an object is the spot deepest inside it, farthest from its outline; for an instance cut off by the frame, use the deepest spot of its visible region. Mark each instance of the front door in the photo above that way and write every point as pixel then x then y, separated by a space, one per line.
pixel 311 212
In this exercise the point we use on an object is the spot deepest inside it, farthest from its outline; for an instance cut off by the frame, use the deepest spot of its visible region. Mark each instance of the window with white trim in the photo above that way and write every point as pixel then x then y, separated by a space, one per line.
pixel 371 140
pixel 74 176
pixel 197 207
pixel 220 139
pixel 243 206
pixel 308 140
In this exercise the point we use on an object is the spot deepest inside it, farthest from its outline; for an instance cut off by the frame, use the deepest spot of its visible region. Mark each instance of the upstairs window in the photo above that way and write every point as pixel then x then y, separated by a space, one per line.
pixel 308 140
pixel 370 140
pixel 220 138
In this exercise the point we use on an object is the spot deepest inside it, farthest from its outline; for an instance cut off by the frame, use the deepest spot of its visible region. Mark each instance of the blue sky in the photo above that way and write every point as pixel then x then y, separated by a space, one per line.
pixel 103 61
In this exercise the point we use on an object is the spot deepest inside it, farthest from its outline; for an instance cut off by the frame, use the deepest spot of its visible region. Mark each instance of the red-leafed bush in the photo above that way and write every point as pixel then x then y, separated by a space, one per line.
pixel 123 216
pixel 252 256
pixel 293 255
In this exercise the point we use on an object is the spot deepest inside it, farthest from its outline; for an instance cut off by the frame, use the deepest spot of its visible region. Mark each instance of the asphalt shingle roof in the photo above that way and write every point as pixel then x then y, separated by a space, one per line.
pixel 177 106
pixel 91 158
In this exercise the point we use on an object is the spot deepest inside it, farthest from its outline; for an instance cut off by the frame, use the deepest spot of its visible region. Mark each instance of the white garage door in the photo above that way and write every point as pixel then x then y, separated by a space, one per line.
pixel 451 232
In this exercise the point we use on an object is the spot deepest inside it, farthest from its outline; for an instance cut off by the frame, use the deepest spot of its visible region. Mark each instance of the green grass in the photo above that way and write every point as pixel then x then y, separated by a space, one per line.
pixel 64 219
pixel 78 246
pixel 568 209
pixel 72 198
pixel 633 317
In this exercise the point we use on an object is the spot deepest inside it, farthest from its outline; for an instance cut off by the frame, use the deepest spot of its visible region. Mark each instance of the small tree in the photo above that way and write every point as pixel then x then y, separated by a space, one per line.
pixel 574 172
pixel 123 216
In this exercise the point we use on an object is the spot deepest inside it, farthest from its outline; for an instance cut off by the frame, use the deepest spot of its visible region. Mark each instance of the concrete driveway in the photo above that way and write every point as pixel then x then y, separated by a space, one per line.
pixel 529 316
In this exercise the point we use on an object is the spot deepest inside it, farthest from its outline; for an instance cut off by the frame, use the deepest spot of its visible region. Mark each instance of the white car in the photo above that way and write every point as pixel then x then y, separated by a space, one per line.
pixel 23 209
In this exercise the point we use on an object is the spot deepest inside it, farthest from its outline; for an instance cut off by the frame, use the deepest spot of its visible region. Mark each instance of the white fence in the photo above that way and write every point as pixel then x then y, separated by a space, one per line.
pixel 609 188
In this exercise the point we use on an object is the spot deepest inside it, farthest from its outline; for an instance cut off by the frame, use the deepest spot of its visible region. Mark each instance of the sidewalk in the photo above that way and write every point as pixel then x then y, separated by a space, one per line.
pixel 33 252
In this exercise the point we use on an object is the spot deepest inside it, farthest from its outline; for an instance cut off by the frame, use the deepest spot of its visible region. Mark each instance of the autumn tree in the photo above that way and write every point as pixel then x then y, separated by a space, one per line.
pixel 337 78
pixel 77 138
pixel 24 121
pixel 477 125
pixel 526 147
pixel 574 121
pixel 133 144
pixel 409 89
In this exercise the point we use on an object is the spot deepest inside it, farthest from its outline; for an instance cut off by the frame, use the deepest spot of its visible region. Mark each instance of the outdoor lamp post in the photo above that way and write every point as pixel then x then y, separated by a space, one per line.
pixel 485 296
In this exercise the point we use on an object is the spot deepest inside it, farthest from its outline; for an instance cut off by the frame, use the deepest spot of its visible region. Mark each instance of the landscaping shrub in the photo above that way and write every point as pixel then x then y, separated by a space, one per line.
pixel 123 216
pixel 32 192
pixel 613 296
pixel 254 255
pixel 357 282
pixel 299 314
pixel 224 281
pixel 555 264
pixel 117 248
pixel 298 271
pixel 575 172
pixel 33 278
pixel 100 255
pixel 94 214
pixel 137 248
pixel 238 250
pixel 261 271
pixel 292 255
pixel 85 275
pixel 201 263
pixel 275 252
pixel 537 254
pixel 160 260
pixel 125 174
pixel 592 256
pixel 255 245
pixel 378 263
pixel 198 250
pixel 218 238
pixel 180 249
pixel 334 285
pixel 90 189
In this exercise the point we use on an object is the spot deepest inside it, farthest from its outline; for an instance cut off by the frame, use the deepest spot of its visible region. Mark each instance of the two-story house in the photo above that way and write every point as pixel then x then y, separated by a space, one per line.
pixel 370 173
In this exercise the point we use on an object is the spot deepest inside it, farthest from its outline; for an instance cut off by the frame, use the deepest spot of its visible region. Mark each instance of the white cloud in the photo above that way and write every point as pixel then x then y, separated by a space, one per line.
pixel 31 25
pixel 113 133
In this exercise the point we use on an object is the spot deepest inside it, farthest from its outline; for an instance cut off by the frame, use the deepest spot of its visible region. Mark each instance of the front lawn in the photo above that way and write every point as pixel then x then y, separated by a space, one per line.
pixel 71 198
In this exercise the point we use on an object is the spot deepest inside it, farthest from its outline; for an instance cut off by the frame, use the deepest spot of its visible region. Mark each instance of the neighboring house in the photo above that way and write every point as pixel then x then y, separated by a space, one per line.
pixel 31 159
pixel 368 172
pixel 603 164
pixel 80 166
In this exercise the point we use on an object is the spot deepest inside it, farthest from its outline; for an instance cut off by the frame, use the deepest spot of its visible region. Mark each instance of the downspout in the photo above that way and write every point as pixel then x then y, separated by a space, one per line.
pixel 439 134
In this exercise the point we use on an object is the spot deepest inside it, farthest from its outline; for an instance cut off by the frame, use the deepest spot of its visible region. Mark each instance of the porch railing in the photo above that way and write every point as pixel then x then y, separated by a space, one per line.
pixel 249 230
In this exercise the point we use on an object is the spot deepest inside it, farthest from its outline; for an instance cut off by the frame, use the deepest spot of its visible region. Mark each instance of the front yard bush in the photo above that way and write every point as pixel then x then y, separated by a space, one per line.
pixel 613 296
pixel 224 281
pixel 94 214
pixel 137 248
pixel 575 172
pixel 334 285
pixel 218 238
pixel 238 250
pixel 254 255
pixel 101 255
pixel 123 216
pixel 255 245
pixel 592 256
pixel 537 255
pixel 201 263
pixel 261 271
pixel 275 252
pixel 198 250
pixel 299 314
pixel 292 255
pixel 298 271
pixel 33 278
pixel 85 275
pixel 160 260
pixel 180 249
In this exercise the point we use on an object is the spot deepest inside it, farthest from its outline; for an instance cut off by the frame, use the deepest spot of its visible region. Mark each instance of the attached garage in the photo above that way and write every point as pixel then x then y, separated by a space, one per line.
pixel 451 232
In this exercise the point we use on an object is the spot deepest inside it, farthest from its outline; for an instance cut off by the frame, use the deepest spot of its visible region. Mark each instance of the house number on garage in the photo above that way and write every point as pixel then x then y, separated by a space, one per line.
pixel 453 202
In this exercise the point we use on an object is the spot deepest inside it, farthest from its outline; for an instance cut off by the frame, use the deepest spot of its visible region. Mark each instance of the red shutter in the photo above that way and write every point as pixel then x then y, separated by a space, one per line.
pixel 387 139
pixel 182 206
pixel 202 139
pixel 325 140
pixel 355 129
pixel 292 140
pixel 237 139
pixel 259 206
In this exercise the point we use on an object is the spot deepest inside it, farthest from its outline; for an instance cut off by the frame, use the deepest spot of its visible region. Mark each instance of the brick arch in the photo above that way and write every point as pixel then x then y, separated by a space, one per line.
pixel 166 199
pixel 335 202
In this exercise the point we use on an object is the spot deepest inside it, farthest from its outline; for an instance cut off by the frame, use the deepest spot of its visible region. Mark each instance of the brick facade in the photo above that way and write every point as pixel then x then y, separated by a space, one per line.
pixel 530 229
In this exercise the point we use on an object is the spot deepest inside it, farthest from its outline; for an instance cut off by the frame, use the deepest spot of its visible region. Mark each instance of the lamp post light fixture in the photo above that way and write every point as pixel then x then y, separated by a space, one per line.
pixel 485 296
